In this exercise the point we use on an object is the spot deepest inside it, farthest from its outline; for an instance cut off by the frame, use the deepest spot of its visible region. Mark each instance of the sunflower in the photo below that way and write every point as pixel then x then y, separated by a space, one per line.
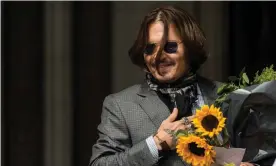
pixel 209 121
pixel 195 150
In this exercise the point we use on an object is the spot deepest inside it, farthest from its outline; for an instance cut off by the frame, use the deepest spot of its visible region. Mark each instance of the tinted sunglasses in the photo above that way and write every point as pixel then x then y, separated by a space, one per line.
pixel 170 47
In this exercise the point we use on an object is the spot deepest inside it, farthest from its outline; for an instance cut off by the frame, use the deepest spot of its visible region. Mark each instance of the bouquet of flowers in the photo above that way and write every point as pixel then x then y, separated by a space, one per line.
pixel 207 141
pixel 251 104
pixel 200 144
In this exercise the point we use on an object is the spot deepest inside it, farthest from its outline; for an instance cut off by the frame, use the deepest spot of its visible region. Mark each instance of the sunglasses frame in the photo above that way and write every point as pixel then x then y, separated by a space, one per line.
pixel 157 44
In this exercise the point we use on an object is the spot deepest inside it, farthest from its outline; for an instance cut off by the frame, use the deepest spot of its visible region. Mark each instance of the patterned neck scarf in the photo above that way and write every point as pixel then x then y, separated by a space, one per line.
pixel 182 93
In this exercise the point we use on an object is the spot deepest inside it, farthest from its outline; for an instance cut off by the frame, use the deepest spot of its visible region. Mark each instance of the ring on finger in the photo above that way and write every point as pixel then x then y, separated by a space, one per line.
pixel 185 121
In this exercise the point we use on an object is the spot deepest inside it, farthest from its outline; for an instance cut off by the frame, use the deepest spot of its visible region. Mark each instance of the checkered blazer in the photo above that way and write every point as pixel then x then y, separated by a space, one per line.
pixel 128 119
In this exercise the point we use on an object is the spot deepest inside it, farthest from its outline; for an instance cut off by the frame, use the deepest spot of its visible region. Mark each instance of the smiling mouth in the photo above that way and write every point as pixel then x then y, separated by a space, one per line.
pixel 164 65
pixel 163 68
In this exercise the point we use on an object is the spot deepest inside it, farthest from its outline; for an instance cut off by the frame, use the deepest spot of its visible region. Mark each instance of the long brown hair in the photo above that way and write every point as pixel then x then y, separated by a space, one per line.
pixel 191 34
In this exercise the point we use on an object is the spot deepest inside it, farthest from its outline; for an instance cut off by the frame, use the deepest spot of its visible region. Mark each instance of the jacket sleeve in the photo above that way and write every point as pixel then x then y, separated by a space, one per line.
pixel 114 146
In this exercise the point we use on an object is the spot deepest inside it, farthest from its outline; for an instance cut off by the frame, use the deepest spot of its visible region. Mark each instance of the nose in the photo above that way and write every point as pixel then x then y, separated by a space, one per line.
pixel 158 56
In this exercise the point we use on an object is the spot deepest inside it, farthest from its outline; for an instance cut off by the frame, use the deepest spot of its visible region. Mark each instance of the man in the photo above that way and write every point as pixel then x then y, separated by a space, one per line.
pixel 170 48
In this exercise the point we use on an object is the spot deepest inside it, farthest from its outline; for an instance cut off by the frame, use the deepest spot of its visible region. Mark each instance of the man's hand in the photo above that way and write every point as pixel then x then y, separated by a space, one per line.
pixel 164 136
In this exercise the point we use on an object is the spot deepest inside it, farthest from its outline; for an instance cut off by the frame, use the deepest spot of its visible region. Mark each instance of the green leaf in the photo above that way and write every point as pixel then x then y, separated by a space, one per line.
pixel 242 71
pixel 221 98
pixel 225 137
pixel 218 102
pixel 180 133
pixel 229 164
pixel 245 78
pixel 221 89
pixel 267 74
pixel 231 87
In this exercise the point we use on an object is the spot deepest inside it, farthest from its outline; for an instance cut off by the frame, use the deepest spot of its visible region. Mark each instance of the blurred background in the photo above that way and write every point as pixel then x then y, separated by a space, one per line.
pixel 60 59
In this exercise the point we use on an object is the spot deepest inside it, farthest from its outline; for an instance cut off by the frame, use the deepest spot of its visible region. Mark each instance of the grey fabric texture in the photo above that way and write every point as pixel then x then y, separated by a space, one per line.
pixel 128 119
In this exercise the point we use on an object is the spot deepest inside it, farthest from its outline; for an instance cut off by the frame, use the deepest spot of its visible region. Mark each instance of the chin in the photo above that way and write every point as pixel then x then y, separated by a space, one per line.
pixel 166 78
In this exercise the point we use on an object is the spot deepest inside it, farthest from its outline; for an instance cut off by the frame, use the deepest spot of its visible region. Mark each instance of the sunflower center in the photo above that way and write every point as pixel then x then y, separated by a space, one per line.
pixel 196 150
pixel 209 122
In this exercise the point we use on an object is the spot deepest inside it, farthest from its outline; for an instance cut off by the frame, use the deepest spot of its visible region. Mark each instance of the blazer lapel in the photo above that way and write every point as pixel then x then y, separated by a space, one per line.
pixel 153 106
pixel 158 111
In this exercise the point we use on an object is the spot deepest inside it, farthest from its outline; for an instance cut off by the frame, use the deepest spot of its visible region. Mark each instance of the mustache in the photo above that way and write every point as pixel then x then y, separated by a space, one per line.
pixel 163 61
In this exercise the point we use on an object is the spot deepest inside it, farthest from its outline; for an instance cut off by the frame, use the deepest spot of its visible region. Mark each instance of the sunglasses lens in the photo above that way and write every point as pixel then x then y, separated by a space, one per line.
pixel 149 49
pixel 170 47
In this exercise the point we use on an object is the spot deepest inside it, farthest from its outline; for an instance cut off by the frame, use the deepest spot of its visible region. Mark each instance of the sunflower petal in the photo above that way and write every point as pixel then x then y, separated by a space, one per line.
pixel 191 158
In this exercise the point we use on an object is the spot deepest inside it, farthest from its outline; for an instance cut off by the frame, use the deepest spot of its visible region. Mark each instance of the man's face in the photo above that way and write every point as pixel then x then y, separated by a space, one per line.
pixel 171 65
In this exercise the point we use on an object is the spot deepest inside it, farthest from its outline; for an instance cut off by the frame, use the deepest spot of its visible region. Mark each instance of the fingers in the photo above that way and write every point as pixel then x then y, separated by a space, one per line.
pixel 183 127
pixel 179 125
pixel 246 164
pixel 176 124
pixel 190 118
pixel 173 115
